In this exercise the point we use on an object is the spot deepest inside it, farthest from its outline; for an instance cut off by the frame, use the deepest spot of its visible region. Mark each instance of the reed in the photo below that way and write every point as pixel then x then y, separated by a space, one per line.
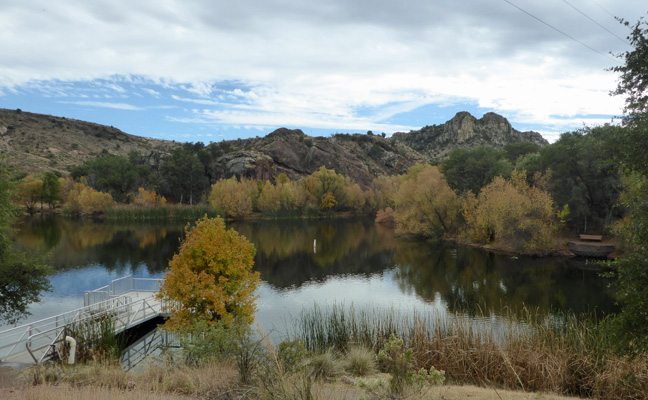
pixel 524 350
pixel 96 339
pixel 167 212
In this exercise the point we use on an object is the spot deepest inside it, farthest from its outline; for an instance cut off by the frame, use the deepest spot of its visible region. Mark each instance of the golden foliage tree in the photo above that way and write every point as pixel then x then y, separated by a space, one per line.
pixel 384 189
pixel 83 199
pixel 327 188
pixel 270 198
pixel 513 211
pixel 210 279
pixel 29 192
pixel 234 198
pixel 425 204
pixel 145 198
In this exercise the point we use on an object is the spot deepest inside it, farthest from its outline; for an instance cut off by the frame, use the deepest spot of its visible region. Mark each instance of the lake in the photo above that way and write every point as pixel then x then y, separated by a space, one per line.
pixel 354 262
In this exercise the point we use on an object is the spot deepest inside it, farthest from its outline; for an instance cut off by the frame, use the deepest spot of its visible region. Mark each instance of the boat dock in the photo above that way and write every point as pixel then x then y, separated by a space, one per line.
pixel 129 301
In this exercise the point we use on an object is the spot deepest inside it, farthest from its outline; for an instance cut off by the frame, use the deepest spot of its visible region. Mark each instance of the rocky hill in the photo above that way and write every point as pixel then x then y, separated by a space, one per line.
pixel 465 131
pixel 37 143
pixel 360 157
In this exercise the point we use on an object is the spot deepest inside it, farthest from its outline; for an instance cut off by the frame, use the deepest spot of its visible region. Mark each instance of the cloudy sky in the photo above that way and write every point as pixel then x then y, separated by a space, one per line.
pixel 213 70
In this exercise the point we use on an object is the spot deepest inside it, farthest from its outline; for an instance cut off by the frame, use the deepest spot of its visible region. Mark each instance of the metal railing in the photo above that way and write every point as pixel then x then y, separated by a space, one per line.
pixel 153 343
pixel 119 287
pixel 34 340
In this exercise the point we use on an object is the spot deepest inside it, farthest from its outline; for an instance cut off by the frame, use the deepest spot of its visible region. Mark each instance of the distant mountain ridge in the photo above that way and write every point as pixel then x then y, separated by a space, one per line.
pixel 466 131
pixel 38 143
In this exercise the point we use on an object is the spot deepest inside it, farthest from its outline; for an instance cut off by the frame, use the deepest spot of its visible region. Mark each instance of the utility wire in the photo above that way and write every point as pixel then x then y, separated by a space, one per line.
pixel 588 17
pixel 559 31
pixel 601 7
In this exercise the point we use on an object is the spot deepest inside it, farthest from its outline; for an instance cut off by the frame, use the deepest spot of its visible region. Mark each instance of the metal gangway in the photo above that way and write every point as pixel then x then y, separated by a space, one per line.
pixel 127 301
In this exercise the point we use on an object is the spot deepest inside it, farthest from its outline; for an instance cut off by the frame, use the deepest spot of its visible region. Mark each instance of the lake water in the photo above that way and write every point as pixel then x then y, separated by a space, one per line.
pixel 354 262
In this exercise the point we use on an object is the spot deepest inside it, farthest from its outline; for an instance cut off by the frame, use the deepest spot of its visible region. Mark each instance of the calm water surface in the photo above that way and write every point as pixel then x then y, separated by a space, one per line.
pixel 354 262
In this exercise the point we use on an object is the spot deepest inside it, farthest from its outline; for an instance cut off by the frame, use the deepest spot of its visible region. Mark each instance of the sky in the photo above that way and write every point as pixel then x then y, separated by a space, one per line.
pixel 212 70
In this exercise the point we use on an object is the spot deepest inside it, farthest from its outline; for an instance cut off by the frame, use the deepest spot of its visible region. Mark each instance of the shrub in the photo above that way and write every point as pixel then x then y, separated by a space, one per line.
pixel 360 361
pixel 210 278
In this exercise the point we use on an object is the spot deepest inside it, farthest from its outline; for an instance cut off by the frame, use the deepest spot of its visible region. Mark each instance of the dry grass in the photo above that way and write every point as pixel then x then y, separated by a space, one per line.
pixel 321 391
pixel 521 352
pixel 175 380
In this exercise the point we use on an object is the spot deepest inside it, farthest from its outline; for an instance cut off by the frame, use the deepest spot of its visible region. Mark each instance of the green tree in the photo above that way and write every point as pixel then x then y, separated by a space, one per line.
pixel 584 176
pixel 327 188
pixel 113 174
pixel 51 191
pixel 182 177
pixel 470 170
pixel 519 149
pixel 22 277
pixel 630 148
pixel 210 280
pixel 631 144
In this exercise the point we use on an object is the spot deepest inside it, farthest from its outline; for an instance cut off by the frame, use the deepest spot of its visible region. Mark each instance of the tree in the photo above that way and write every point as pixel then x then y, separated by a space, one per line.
pixel 51 191
pixel 210 279
pixel 632 144
pixel 327 188
pixel 29 192
pixel 22 277
pixel 630 148
pixel 512 211
pixel 270 198
pixel 82 199
pixel 425 204
pixel 183 176
pixel 234 198
pixel 114 174
pixel 584 176
pixel 473 169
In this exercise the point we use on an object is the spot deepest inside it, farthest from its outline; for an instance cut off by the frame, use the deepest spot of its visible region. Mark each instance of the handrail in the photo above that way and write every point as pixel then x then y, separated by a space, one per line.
pixel 42 334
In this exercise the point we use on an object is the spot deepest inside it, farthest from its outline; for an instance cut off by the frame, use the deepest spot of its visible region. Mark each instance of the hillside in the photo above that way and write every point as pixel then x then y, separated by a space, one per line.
pixel 37 143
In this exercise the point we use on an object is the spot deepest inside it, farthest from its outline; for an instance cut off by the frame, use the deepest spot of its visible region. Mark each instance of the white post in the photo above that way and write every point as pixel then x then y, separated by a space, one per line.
pixel 73 344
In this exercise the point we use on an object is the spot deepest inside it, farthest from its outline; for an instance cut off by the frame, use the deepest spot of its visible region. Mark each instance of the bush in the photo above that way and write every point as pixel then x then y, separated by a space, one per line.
pixel 360 361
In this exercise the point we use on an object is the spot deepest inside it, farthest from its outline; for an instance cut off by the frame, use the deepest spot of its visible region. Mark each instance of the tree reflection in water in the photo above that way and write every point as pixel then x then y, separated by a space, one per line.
pixel 469 279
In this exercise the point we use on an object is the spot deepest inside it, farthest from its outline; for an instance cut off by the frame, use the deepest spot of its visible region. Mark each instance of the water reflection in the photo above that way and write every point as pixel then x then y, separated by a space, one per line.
pixel 349 252
pixel 118 247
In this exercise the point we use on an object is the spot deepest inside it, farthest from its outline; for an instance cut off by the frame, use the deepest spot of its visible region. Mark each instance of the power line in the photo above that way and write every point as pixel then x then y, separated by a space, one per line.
pixel 588 17
pixel 558 30
pixel 601 7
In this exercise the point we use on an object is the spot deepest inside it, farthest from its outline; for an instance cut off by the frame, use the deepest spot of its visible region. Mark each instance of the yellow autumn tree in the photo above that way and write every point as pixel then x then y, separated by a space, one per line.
pixel 145 198
pixel 270 198
pixel 29 192
pixel 82 199
pixel 210 279
pixel 514 212
pixel 425 203
pixel 234 198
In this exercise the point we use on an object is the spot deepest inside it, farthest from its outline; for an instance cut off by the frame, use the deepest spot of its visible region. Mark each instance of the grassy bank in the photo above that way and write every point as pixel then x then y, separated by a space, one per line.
pixel 523 351
pixel 345 353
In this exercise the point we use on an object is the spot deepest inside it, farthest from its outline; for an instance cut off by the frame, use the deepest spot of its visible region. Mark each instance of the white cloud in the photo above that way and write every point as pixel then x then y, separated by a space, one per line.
pixel 298 63
pixel 116 106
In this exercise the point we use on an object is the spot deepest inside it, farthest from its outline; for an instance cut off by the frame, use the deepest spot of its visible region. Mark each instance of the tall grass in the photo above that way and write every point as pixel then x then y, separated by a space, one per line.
pixel 167 212
pixel 96 339
pixel 523 350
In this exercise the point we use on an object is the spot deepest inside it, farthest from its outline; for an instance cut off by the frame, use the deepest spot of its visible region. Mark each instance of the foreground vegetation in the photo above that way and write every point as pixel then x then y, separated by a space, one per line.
pixel 340 352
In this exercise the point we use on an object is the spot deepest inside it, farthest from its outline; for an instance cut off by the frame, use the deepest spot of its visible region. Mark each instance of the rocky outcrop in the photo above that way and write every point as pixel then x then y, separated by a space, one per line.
pixel 360 157
pixel 466 131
